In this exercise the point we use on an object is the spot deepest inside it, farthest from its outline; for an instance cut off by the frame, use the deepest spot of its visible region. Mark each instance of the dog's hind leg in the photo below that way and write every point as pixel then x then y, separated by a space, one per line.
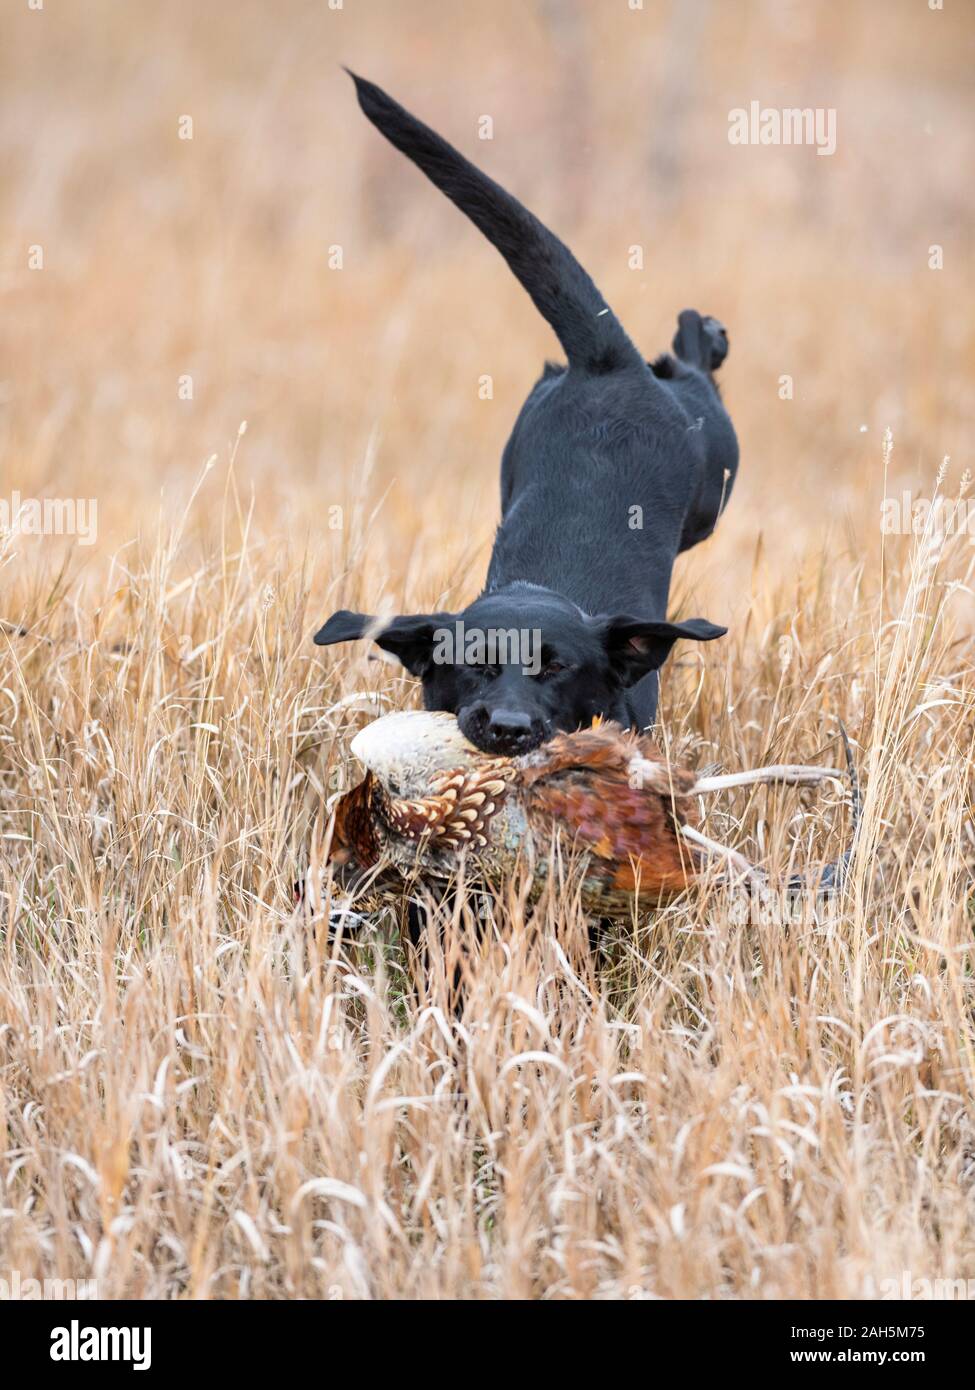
pixel 700 346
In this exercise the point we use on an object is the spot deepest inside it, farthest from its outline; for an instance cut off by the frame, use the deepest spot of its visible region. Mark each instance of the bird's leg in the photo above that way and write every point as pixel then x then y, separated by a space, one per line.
pixel 731 856
pixel 781 774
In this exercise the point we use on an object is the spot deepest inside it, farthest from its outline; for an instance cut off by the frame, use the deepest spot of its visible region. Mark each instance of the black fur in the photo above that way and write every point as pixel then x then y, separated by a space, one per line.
pixel 614 466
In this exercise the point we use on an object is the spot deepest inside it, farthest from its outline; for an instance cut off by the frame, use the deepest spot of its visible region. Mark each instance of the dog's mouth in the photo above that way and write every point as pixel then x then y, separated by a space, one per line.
pixel 503 734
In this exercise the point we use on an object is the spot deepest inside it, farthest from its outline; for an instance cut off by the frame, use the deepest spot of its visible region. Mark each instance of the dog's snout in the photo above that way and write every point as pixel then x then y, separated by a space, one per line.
pixel 505 731
pixel 509 723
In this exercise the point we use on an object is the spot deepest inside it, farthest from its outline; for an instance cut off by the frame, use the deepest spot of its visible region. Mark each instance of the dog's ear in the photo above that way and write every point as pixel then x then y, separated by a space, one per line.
pixel 410 637
pixel 343 626
pixel 636 646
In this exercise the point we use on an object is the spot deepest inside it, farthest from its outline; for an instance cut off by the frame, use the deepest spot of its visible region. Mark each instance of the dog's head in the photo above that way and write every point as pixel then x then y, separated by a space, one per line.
pixel 518 666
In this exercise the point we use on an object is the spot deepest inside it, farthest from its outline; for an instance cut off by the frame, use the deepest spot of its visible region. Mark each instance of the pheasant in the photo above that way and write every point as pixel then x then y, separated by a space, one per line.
pixel 431 801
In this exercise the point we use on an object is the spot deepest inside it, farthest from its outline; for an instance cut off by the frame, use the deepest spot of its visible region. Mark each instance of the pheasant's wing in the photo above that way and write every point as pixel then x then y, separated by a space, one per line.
pixel 459 810
pixel 629 830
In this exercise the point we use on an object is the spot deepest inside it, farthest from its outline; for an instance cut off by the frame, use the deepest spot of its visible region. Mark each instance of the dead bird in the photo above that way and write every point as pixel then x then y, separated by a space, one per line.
pixel 432 803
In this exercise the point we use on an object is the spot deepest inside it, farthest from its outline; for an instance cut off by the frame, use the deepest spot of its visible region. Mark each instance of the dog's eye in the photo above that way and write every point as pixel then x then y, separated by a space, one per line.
pixel 551 668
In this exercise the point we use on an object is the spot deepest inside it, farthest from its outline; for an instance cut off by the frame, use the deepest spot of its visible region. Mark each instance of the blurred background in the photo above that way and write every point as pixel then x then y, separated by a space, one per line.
pixel 207 265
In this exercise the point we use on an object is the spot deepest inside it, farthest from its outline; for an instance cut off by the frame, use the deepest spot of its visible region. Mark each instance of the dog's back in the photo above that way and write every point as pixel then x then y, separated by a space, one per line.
pixel 613 467
pixel 607 460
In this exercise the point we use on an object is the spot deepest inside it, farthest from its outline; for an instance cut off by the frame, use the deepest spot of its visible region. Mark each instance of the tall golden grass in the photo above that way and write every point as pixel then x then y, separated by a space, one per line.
pixel 205 1095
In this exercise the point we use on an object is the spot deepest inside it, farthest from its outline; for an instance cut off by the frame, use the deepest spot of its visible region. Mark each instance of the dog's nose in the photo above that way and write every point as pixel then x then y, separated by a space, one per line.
pixel 501 731
pixel 512 731
pixel 509 722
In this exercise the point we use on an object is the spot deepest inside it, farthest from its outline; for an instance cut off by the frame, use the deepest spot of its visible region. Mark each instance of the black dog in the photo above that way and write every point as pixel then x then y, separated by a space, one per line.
pixel 614 466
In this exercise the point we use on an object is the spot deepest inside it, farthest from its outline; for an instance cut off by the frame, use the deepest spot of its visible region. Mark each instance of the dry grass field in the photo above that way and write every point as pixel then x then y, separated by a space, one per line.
pixel 201 1095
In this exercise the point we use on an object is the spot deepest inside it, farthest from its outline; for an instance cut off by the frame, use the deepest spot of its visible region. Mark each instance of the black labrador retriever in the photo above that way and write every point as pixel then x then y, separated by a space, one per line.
pixel 614 466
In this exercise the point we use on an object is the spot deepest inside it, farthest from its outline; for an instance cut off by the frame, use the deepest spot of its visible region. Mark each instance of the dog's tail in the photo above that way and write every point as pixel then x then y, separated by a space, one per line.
pixel 590 333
